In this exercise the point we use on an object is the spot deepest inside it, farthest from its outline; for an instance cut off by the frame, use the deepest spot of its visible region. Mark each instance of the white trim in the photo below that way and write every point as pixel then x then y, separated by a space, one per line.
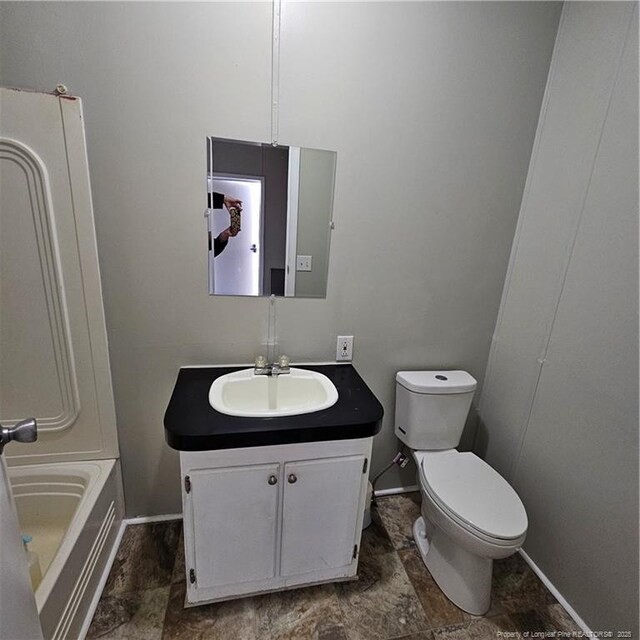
pixel 293 187
pixel 380 493
pixel 103 581
pixel 147 519
pixel 396 490
pixel 275 70
pixel 558 596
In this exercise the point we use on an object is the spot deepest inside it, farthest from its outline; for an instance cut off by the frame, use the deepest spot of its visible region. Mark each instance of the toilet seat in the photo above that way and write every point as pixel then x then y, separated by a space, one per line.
pixel 473 495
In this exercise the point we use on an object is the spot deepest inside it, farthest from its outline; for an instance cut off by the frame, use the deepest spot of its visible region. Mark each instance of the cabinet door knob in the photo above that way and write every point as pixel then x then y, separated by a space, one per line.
pixel 272 479
pixel 292 478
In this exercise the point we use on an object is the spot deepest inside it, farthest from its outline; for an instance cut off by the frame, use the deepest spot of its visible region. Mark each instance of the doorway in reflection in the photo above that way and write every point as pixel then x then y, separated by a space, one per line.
pixel 238 265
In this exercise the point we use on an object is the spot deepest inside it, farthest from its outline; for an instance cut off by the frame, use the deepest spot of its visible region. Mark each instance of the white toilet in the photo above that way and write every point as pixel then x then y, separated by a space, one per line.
pixel 470 514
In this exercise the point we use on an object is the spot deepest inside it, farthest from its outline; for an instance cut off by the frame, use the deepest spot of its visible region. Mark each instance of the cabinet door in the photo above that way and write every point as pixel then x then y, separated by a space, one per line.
pixel 321 509
pixel 234 515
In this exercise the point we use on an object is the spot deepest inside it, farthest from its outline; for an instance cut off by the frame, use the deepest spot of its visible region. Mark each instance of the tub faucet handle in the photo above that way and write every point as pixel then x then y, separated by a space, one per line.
pixel 23 431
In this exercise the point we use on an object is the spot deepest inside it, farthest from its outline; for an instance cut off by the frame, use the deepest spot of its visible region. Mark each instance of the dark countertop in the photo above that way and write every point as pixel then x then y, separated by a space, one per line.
pixel 192 424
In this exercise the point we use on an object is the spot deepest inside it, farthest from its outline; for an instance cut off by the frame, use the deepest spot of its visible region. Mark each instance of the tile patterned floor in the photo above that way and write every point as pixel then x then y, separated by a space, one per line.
pixel 395 596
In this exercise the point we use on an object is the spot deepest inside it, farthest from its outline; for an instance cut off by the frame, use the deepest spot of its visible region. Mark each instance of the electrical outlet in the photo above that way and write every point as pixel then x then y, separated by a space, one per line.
pixel 344 349
pixel 303 263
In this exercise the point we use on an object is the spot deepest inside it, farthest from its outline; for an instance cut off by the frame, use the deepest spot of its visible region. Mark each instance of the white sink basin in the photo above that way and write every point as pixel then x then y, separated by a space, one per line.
pixel 243 393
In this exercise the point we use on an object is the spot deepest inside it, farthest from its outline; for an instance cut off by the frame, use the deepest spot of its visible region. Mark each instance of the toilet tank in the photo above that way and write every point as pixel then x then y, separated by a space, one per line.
pixel 432 407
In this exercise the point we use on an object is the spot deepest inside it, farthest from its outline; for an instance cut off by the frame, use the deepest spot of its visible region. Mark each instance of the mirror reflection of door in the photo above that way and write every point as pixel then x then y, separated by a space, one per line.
pixel 296 216
pixel 237 269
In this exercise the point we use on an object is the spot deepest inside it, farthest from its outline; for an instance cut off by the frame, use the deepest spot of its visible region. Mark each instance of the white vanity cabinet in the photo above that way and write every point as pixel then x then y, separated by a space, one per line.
pixel 267 518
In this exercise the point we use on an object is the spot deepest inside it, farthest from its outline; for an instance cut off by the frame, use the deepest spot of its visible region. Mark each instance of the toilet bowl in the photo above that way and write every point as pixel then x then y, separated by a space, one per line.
pixel 470 516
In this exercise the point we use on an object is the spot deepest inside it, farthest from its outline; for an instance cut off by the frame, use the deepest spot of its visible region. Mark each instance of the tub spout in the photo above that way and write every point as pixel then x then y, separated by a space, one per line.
pixel 24 431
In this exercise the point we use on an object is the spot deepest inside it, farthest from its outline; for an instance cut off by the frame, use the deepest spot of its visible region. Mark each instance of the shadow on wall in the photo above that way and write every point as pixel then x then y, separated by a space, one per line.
pixel 169 466
pixel 481 440
pixel 468 437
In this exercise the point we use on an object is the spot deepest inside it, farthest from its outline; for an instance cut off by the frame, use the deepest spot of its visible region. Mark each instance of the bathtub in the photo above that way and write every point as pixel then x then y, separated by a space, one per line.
pixel 73 511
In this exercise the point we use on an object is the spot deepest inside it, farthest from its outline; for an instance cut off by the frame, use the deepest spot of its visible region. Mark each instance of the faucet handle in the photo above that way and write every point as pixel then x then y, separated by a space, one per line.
pixel 261 362
pixel 283 361
pixel 23 431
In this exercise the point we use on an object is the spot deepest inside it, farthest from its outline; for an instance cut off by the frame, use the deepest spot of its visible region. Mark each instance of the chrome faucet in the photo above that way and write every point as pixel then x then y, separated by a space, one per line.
pixel 263 368
pixel 24 431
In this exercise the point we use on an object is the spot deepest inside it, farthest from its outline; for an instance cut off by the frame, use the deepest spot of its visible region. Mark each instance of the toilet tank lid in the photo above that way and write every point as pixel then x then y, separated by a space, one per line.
pixel 437 382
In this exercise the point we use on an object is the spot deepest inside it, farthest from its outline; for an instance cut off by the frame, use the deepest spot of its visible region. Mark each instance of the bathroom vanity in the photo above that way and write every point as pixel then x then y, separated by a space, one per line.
pixel 271 503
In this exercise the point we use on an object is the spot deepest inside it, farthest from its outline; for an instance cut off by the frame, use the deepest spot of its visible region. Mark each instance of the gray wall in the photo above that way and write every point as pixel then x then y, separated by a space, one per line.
pixel 560 403
pixel 432 108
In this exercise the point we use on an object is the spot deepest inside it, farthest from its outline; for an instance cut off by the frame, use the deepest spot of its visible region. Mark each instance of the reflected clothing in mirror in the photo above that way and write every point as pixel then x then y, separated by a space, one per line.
pixel 216 201
pixel 287 209
pixel 218 245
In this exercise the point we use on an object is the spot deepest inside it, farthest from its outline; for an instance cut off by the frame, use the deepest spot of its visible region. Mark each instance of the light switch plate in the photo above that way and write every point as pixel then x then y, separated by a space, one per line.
pixel 303 263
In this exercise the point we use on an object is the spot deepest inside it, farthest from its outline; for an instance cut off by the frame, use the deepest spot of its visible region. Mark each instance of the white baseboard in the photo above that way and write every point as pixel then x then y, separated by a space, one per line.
pixel 558 596
pixel 396 490
pixel 547 583
pixel 147 519
pixel 381 492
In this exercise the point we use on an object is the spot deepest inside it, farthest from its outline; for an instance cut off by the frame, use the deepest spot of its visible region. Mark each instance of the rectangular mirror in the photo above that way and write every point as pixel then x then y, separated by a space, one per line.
pixel 284 197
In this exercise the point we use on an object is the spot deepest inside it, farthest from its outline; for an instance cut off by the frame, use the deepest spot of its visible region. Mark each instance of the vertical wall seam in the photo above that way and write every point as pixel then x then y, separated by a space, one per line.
pixel 523 207
pixel 567 263
pixel 275 71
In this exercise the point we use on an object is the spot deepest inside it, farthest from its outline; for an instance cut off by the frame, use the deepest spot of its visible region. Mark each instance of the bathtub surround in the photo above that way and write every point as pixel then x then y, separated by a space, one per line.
pixel 395 596
pixel 54 352
pixel 67 484
pixel 432 109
